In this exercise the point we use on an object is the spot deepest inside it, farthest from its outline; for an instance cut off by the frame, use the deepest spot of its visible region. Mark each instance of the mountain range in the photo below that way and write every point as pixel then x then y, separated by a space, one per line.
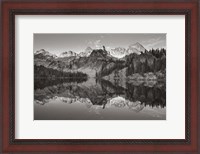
pixel 118 52
pixel 102 63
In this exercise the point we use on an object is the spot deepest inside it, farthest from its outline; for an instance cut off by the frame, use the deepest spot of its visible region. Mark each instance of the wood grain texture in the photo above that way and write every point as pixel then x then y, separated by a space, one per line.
pixel 12 145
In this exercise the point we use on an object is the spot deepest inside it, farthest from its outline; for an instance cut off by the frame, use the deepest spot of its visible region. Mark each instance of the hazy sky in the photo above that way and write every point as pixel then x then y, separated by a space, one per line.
pixel 57 43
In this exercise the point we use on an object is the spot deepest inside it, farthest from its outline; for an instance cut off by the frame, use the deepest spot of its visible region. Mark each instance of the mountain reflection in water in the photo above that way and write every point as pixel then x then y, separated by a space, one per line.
pixel 93 99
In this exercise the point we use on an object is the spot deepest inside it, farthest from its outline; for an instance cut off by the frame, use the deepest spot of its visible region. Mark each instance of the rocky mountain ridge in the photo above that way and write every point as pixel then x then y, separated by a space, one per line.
pixel 101 63
pixel 118 52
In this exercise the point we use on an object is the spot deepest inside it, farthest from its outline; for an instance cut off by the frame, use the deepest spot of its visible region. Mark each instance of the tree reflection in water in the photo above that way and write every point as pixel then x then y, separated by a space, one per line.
pixel 98 95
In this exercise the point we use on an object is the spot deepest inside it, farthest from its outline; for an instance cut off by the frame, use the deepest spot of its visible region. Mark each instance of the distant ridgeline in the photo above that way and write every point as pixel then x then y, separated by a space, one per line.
pixel 134 63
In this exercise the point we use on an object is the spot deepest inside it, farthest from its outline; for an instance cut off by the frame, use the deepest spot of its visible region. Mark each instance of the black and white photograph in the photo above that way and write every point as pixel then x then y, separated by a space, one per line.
pixel 99 76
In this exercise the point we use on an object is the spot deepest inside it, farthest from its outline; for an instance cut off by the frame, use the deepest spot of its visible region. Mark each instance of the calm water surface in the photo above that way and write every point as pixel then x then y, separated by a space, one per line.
pixel 91 99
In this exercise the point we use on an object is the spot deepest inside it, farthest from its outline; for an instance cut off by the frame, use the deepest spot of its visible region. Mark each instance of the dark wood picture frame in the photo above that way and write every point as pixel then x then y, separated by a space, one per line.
pixel 12 8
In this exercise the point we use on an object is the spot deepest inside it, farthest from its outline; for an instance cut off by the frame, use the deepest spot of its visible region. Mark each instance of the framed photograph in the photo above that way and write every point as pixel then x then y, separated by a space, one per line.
pixel 99 76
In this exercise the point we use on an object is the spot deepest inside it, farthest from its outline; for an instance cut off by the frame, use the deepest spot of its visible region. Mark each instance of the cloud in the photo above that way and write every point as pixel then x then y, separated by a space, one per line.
pixel 101 36
pixel 159 42
pixel 95 44
pixel 90 43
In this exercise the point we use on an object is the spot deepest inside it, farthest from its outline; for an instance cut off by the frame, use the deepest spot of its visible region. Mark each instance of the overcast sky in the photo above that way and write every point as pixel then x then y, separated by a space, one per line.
pixel 57 43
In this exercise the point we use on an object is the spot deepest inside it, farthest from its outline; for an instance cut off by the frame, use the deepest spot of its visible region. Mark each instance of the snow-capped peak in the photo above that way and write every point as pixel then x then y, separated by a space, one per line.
pixel 44 52
pixel 135 48
pixel 86 53
pixel 68 54
pixel 121 52
pixel 118 52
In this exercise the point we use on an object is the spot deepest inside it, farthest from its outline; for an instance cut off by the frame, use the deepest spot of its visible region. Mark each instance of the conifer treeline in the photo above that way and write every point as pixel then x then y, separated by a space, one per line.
pixel 43 72
pixel 150 61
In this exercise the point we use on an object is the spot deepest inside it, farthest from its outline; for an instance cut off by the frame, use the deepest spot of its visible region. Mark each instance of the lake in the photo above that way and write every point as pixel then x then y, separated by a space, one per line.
pixel 99 99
